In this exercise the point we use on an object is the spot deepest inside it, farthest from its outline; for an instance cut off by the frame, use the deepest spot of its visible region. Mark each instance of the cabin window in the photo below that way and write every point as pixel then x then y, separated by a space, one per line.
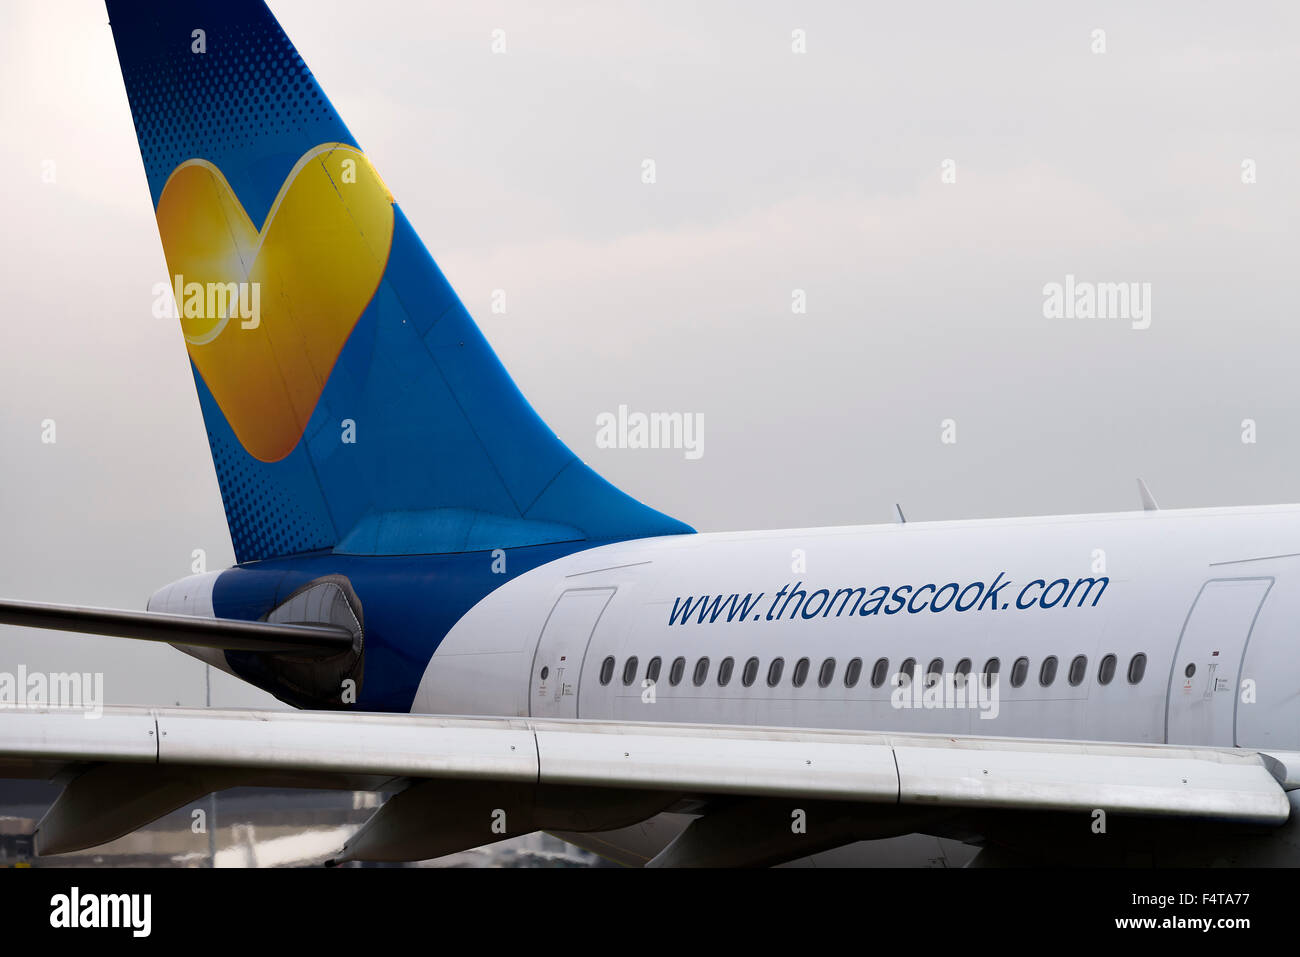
pixel 880 673
pixel 826 674
pixel 701 672
pixel 991 669
pixel 606 670
pixel 852 672
pixel 652 669
pixel 907 671
pixel 774 672
pixel 748 676
pixel 1137 668
pixel 1019 672
pixel 725 667
pixel 629 671
pixel 676 671
pixel 1107 670
pixel 800 673
pixel 934 673
pixel 1078 670
pixel 1047 671
pixel 961 671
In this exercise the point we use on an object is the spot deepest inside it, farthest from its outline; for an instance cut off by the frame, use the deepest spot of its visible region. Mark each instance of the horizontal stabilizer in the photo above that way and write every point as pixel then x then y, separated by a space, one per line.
pixel 225 633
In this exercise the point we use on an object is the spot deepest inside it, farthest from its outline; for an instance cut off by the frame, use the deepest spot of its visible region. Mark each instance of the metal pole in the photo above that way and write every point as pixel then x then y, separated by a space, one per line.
pixel 212 798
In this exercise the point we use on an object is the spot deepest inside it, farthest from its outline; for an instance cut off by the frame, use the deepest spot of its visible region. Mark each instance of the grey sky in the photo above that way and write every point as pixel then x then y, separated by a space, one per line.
pixel 775 171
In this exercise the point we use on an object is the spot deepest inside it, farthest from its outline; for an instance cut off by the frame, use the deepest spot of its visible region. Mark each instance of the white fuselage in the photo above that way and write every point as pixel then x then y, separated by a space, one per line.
pixel 1209 597
pixel 1132 580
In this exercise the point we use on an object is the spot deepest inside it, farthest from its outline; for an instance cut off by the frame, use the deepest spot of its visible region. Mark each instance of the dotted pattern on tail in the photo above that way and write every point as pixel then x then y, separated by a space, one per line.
pixel 264 519
pixel 248 94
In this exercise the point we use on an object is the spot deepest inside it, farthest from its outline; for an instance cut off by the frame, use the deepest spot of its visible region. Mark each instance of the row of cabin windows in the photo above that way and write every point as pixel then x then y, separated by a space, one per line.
pixel 1075 675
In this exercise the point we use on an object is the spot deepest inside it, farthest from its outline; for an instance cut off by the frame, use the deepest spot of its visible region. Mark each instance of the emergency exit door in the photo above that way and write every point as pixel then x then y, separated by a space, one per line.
pixel 1204 685
pixel 557 664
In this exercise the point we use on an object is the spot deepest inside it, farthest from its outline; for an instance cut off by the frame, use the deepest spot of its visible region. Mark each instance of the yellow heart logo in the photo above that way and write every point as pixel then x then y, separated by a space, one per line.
pixel 303 281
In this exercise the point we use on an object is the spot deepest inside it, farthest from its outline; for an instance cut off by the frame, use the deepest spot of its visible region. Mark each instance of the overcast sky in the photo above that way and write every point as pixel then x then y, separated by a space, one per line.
pixel 775 171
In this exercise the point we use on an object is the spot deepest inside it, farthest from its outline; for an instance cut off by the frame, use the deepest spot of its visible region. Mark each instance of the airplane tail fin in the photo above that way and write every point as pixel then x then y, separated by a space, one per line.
pixel 350 401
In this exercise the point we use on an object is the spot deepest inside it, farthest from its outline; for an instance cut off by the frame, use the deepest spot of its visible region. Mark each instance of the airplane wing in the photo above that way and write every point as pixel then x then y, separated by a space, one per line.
pixel 467 781
pixel 303 640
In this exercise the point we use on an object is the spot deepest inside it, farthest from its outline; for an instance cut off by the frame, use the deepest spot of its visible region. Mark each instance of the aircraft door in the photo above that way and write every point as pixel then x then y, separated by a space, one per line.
pixel 1202 704
pixel 557 664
